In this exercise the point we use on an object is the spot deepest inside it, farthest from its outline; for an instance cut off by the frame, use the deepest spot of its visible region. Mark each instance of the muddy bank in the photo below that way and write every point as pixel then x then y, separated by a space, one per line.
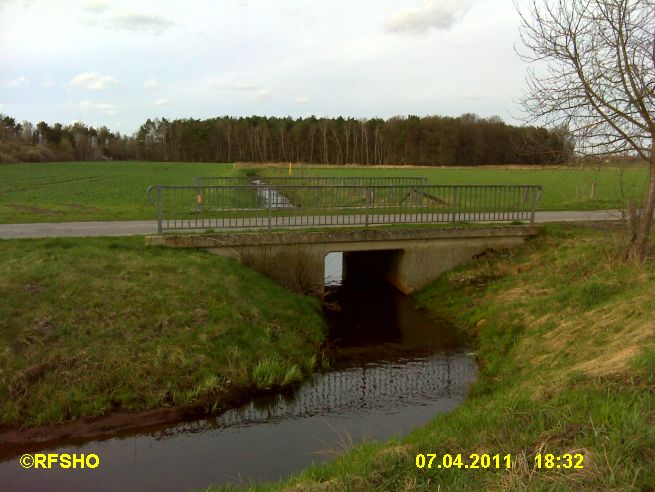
pixel 14 440
pixel 269 437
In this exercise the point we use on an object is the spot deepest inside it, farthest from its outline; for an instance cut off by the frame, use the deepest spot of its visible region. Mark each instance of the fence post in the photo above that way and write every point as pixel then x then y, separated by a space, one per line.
pixel 159 211
pixel 270 208
pixel 454 216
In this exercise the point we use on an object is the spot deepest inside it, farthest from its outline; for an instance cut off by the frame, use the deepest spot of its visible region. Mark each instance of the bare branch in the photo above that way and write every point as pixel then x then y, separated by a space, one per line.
pixel 593 68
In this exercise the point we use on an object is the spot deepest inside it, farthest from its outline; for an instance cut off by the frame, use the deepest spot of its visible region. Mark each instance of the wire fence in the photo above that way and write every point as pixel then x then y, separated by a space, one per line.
pixel 201 207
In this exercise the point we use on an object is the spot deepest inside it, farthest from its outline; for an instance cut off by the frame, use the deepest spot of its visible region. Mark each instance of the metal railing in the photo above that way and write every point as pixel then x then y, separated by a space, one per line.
pixel 186 207
pixel 310 180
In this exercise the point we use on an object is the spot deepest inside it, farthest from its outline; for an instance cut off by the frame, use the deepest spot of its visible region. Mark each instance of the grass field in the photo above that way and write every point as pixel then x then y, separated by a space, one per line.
pixel 564 188
pixel 86 191
pixel 91 325
pixel 566 342
pixel 89 191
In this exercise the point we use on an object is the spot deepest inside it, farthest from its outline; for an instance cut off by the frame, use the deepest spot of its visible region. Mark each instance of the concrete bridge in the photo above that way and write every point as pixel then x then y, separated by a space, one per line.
pixel 409 258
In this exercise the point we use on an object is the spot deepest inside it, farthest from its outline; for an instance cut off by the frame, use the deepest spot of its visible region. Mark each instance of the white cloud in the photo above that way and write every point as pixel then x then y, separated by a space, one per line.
pixel 472 96
pixel 302 99
pixel 49 83
pixel 96 6
pixel 160 102
pixel 102 108
pixel 230 85
pixel 152 24
pixel 93 81
pixel 261 95
pixel 19 82
pixel 433 14
pixel 20 3
pixel 254 91
pixel 150 83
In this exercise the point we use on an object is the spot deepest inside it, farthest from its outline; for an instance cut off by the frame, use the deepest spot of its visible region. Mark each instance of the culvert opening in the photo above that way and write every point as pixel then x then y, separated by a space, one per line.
pixel 359 267
pixel 362 269
pixel 365 309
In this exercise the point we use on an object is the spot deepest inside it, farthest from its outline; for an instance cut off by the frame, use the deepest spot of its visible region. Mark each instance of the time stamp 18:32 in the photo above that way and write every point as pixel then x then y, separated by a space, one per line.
pixel 484 461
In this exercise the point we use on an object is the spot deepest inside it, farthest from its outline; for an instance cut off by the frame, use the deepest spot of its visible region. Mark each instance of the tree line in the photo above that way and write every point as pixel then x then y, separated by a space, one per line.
pixel 430 140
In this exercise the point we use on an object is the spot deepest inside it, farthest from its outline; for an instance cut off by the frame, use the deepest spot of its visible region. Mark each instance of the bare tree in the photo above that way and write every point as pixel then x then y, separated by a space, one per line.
pixel 28 132
pixel 593 71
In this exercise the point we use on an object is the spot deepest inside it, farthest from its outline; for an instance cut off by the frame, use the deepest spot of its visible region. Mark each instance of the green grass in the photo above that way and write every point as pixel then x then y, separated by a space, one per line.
pixel 272 373
pixel 566 343
pixel 89 191
pixel 91 325
pixel 564 188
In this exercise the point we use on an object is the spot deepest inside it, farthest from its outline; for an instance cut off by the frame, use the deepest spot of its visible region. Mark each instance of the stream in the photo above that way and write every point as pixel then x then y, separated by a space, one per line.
pixel 393 368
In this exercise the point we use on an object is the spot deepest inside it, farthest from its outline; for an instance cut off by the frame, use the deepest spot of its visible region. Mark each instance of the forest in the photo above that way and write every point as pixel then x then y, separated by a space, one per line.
pixel 411 140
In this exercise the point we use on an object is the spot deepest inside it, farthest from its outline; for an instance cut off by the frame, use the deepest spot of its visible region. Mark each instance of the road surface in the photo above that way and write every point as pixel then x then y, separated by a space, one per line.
pixel 144 227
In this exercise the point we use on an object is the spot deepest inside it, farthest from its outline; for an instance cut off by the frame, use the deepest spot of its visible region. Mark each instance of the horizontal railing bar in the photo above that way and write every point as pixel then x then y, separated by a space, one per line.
pixel 265 185
pixel 309 178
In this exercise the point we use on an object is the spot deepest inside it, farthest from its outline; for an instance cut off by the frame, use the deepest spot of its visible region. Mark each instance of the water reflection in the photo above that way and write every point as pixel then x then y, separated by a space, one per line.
pixel 361 390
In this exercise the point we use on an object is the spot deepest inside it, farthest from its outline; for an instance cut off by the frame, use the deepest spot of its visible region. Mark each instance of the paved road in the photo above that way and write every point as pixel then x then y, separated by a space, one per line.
pixel 79 229
pixel 143 227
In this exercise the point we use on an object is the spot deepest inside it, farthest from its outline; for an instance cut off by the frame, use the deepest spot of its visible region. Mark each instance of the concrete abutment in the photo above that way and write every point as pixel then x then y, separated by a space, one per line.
pixel 411 258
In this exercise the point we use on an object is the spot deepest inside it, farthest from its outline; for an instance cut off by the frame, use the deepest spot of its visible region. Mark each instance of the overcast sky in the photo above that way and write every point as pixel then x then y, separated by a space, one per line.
pixel 118 62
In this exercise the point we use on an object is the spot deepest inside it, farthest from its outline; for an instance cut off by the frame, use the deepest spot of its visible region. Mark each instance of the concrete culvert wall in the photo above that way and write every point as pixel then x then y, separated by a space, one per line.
pixel 409 258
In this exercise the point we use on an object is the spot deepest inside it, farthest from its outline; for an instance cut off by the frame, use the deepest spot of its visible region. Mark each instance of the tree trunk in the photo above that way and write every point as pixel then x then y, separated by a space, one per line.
pixel 284 153
pixel 336 137
pixel 639 244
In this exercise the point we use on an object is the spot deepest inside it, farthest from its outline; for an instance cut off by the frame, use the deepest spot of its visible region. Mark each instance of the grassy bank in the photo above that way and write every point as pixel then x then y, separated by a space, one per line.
pixel 566 343
pixel 91 325
pixel 89 191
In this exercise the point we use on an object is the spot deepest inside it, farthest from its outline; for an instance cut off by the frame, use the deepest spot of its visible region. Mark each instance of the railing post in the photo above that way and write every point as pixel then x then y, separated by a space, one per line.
pixel 454 215
pixel 270 208
pixel 534 204
pixel 368 204
pixel 159 211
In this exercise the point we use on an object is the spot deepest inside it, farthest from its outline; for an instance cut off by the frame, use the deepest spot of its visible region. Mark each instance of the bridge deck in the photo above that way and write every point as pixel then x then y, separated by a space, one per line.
pixel 333 236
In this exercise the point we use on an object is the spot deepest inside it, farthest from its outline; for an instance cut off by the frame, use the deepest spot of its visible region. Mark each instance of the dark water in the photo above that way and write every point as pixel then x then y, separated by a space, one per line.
pixel 393 369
